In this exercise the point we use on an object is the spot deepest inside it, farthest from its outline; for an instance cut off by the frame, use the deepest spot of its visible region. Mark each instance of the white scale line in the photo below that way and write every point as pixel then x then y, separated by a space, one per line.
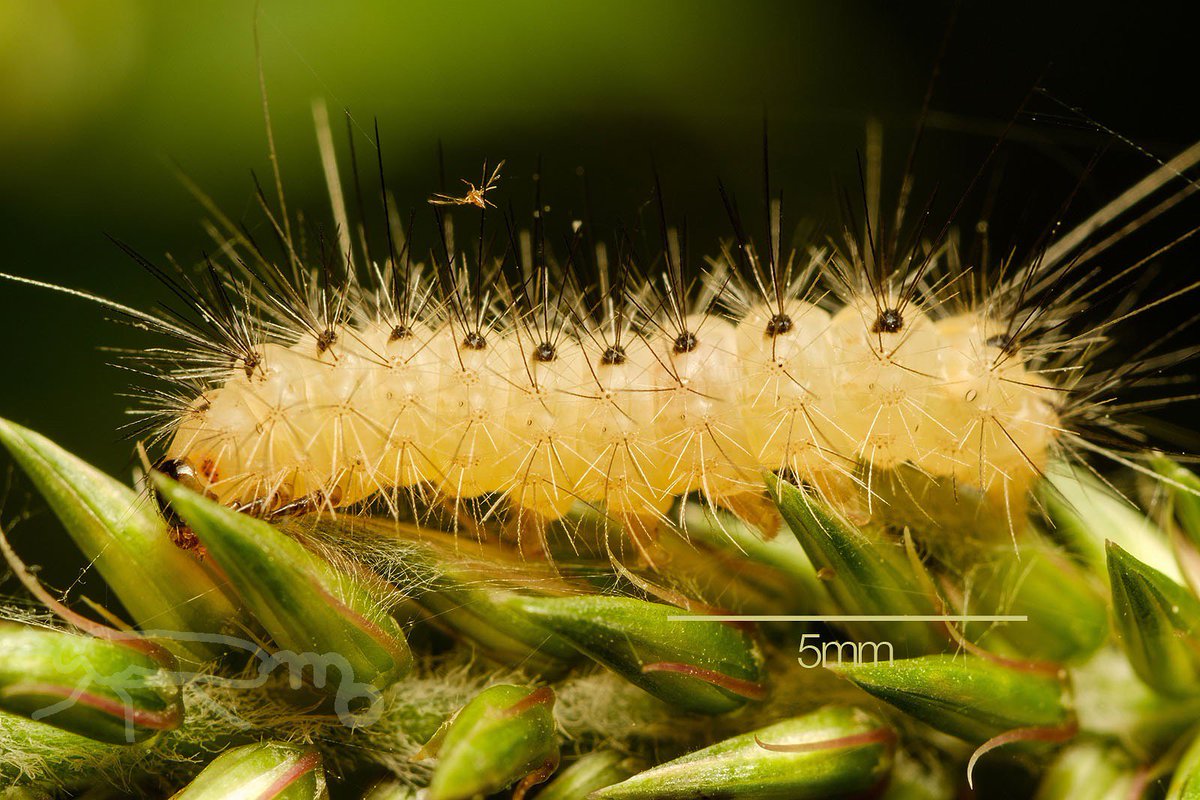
pixel 851 618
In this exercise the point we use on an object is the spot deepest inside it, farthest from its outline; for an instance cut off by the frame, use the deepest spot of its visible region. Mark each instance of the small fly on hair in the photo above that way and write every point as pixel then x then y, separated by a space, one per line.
pixel 476 195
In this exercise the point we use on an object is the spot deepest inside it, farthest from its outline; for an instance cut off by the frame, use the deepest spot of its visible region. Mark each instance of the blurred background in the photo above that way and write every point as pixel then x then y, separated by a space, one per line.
pixel 99 99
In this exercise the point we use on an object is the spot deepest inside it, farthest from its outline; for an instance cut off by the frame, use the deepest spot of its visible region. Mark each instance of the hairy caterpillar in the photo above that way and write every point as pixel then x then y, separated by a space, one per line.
pixel 331 376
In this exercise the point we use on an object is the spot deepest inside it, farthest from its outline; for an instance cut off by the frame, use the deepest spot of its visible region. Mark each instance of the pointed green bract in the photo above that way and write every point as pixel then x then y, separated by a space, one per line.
pixel 706 667
pixel 102 689
pixel 461 587
pixel 162 587
pixel 264 771
pixel 864 576
pixel 505 735
pixel 836 751
pixel 328 619
pixel 965 696
pixel 1157 622
pixel 596 770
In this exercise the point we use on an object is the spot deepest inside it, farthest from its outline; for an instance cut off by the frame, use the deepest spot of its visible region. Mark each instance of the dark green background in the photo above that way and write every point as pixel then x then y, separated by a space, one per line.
pixel 97 98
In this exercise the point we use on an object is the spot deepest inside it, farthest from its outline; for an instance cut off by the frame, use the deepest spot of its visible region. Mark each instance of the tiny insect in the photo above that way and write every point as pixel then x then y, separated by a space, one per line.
pixel 476 195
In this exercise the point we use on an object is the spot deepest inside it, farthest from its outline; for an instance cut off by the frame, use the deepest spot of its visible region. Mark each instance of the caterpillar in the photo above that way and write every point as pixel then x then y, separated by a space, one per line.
pixel 335 376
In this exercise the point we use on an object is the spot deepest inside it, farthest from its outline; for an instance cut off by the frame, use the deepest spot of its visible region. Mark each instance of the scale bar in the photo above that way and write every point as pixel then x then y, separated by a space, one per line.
pixel 849 618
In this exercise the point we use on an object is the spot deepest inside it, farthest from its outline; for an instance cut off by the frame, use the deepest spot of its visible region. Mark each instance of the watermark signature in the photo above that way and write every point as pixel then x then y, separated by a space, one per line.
pixel 355 703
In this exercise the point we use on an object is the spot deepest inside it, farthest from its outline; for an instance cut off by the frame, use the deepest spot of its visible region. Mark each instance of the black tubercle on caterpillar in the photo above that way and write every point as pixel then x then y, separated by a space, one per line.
pixel 779 324
pixel 686 342
pixel 613 355
pixel 326 339
pixel 474 341
pixel 545 352
pixel 890 320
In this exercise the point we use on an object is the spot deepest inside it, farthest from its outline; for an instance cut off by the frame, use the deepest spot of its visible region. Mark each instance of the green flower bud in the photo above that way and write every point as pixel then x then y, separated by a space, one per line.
pixel 965 696
pixel 836 751
pixel 264 771
pixel 865 575
pixel 705 667
pixel 505 735
pixel 163 588
pixel 593 771
pixel 323 617
pixel 108 690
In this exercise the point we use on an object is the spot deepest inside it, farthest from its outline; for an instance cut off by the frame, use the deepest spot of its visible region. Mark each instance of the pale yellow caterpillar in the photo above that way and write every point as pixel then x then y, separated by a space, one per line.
pixel 331 376
pixel 522 393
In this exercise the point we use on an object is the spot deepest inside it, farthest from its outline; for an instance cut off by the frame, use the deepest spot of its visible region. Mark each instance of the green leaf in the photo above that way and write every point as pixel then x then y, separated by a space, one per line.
pixel 836 751
pixel 1157 622
pixel 162 587
pixel 504 735
pixel 705 667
